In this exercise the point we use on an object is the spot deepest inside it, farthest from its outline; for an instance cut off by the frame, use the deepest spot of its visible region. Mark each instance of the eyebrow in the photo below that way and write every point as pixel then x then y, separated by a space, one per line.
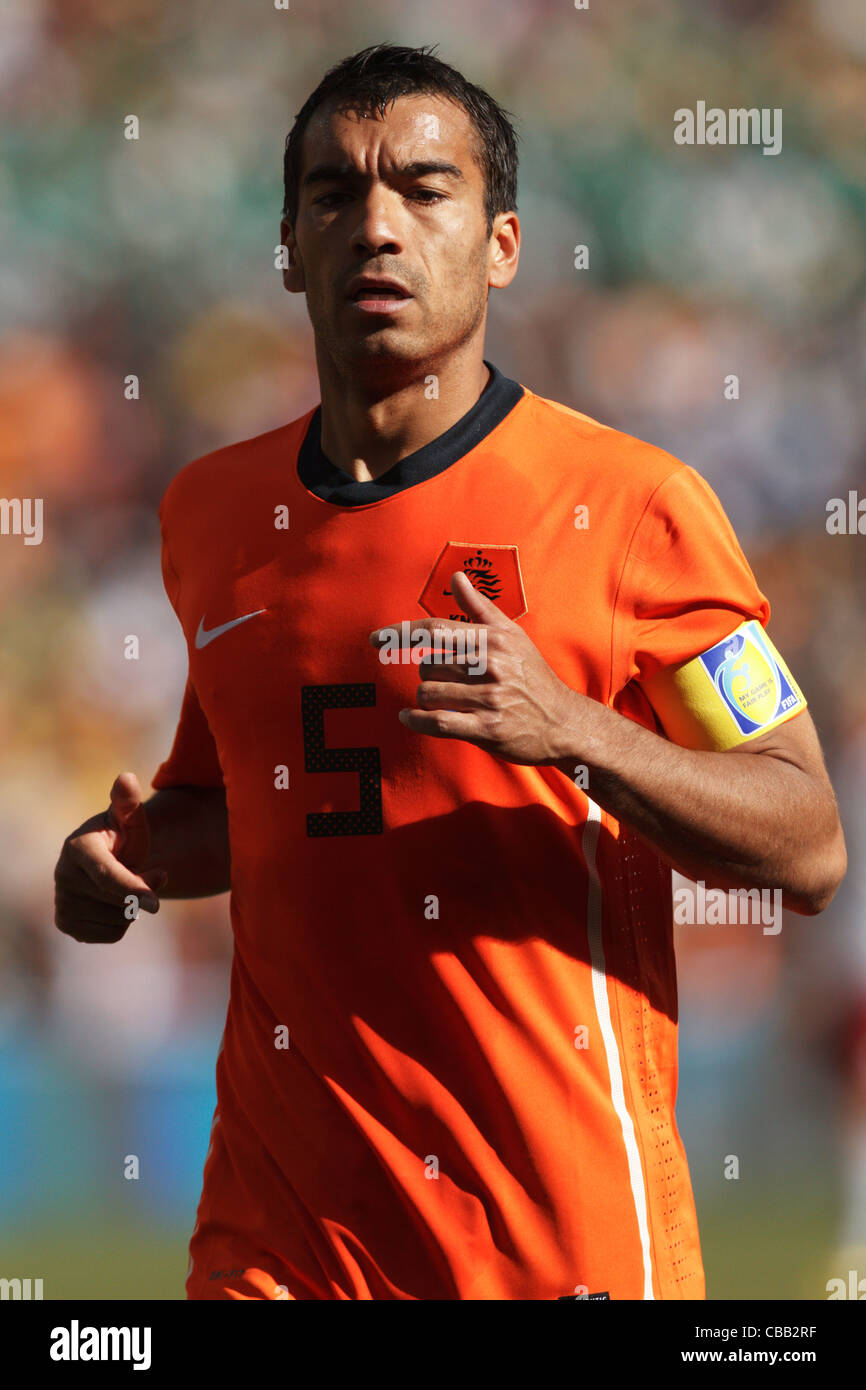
pixel 347 173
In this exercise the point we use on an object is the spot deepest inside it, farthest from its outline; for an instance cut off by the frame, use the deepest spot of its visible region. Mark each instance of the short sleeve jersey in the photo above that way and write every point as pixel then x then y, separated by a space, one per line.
pixel 449 1066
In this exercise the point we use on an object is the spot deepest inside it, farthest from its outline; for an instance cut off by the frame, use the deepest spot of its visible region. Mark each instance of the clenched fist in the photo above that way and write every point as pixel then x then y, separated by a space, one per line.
pixel 98 883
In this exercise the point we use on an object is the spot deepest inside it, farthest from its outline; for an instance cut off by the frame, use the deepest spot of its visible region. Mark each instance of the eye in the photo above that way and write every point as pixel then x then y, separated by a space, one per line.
pixel 427 196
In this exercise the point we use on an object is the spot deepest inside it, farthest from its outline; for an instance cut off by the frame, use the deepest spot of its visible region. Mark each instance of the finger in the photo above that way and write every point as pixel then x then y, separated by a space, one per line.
pixel 449 671
pixel 86 919
pixel 399 635
pixel 451 695
pixel 79 907
pixel 442 724
pixel 110 879
pixel 476 605
pixel 125 798
pixel 92 933
pixel 81 896
pixel 128 815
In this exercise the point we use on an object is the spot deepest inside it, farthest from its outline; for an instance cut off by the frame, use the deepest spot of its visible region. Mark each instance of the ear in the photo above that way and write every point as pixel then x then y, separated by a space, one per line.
pixel 293 273
pixel 504 250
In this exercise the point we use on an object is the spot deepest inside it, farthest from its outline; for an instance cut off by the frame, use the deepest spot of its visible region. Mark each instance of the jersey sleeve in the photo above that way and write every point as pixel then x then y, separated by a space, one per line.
pixel 690 624
pixel 193 760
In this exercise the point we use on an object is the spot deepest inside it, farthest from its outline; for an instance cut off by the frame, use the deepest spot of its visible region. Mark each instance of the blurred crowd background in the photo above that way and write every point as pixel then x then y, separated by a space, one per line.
pixel 155 257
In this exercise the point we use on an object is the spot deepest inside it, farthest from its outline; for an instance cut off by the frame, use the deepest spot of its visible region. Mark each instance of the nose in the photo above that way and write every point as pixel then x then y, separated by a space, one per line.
pixel 377 228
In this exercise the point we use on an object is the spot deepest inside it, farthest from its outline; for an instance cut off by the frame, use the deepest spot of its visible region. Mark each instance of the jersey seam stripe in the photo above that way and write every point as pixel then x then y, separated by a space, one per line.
pixel 591 831
pixel 636 1103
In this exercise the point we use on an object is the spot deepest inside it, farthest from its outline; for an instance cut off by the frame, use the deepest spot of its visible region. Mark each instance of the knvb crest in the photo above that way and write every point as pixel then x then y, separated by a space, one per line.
pixel 494 570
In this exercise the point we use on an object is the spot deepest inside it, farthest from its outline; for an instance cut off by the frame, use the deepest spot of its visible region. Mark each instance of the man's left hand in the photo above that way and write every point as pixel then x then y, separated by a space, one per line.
pixel 517 709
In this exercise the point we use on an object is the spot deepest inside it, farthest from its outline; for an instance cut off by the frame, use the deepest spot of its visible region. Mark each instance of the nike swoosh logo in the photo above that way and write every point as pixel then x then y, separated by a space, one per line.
pixel 202 637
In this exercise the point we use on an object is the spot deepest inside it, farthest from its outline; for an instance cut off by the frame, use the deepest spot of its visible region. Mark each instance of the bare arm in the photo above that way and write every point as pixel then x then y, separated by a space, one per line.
pixel 762 814
pixel 759 815
pixel 189 839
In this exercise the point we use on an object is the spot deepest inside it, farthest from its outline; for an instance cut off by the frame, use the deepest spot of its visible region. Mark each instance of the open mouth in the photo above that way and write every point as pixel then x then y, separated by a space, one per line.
pixel 382 300
pixel 368 293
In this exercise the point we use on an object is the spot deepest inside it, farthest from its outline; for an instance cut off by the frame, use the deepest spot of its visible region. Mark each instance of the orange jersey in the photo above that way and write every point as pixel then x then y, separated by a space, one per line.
pixel 449 1065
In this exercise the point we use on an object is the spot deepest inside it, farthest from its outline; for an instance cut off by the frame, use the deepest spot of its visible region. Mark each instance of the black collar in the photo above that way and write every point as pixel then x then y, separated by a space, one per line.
pixel 329 482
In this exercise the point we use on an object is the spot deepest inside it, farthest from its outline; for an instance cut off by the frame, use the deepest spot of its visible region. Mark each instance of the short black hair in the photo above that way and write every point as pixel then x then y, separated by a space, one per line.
pixel 370 80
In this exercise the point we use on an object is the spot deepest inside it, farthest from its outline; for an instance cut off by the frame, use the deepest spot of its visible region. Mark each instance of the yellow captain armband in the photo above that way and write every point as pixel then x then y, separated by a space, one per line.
pixel 728 694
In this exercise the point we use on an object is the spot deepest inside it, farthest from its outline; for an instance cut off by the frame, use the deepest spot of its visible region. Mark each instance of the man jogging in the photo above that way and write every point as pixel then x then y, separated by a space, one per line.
pixel 449 1064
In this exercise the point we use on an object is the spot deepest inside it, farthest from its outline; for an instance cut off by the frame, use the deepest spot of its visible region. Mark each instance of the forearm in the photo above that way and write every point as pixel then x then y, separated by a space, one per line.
pixel 189 839
pixel 733 819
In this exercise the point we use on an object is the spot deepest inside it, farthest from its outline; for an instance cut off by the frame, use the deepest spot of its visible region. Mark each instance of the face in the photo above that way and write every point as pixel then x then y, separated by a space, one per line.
pixel 398 197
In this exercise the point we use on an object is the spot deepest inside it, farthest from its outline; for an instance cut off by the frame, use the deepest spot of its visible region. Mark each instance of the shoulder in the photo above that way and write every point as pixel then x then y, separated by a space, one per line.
pixel 575 439
pixel 215 477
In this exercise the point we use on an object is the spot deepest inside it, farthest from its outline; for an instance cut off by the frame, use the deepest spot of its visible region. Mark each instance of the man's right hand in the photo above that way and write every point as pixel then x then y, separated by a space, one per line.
pixel 97 874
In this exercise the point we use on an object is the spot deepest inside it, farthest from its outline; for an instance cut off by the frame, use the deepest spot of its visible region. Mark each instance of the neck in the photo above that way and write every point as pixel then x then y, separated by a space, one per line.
pixel 368 425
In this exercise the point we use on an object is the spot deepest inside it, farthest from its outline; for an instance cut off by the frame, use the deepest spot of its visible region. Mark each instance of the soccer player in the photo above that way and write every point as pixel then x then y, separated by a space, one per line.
pixel 449 1064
